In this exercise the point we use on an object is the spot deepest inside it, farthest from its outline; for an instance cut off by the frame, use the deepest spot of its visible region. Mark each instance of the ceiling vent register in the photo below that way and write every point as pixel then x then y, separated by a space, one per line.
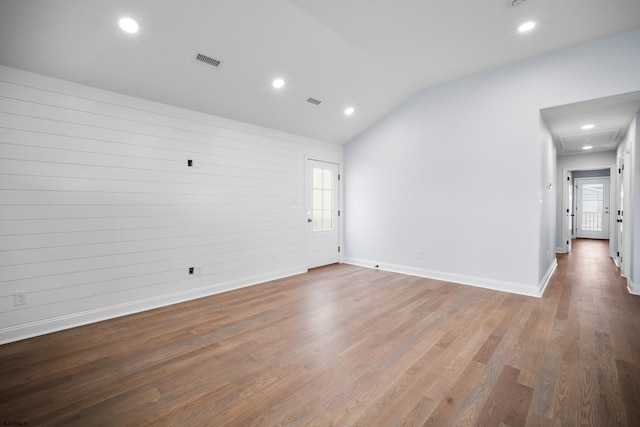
pixel 313 101
pixel 208 60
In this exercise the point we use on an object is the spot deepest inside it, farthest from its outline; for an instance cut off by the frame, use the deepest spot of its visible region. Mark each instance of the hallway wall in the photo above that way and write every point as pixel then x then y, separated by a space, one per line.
pixel 635 191
pixel 632 205
pixel 457 171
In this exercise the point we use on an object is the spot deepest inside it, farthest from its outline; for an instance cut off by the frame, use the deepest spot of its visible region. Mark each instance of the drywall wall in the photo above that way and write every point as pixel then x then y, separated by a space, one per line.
pixel 457 173
pixel 625 168
pixel 635 210
pixel 101 214
pixel 631 246
pixel 548 188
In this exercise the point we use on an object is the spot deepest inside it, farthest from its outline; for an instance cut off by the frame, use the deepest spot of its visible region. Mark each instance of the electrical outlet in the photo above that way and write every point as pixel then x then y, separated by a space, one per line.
pixel 20 298
pixel 191 271
pixel 419 255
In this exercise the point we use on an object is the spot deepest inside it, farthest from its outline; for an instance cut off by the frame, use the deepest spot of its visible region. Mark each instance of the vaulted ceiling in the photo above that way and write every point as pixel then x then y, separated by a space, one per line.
pixel 367 54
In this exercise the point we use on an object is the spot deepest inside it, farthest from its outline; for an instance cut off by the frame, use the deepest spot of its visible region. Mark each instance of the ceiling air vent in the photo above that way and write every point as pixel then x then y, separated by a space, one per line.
pixel 208 60
pixel 313 101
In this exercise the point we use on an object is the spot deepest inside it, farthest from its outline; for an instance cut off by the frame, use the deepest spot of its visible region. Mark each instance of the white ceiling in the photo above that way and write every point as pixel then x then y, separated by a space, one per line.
pixel 370 54
pixel 611 117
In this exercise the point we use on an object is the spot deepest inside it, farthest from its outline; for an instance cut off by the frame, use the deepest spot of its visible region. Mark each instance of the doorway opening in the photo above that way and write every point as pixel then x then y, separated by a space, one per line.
pixel 587 204
pixel 323 213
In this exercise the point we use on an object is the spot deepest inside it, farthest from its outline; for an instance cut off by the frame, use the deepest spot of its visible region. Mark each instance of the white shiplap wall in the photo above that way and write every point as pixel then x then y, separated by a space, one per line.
pixel 100 215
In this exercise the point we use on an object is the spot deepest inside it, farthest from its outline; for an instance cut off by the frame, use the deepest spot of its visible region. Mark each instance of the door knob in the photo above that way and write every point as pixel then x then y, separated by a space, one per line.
pixel 309 220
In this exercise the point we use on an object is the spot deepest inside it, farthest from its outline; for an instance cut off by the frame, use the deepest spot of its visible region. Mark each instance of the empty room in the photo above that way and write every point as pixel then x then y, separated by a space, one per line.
pixel 331 213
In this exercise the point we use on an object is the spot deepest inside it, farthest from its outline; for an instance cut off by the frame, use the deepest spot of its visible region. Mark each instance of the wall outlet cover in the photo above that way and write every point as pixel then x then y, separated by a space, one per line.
pixel 20 298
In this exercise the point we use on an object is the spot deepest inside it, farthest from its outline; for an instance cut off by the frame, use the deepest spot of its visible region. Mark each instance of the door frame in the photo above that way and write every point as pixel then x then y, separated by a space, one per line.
pixel 567 209
pixel 623 248
pixel 613 183
pixel 307 196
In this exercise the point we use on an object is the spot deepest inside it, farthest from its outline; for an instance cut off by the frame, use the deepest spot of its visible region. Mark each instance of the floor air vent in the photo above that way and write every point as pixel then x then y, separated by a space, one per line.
pixel 208 60
pixel 313 101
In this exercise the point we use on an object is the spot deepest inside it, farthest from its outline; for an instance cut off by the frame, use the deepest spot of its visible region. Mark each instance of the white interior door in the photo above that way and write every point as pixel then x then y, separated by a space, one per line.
pixel 592 208
pixel 323 227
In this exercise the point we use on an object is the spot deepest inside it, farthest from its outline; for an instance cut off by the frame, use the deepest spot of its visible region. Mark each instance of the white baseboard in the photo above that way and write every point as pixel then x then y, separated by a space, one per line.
pixel 496 285
pixel 28 330
pixel 633 288
pixel 561 251
pixel 547 277
pixel 615 261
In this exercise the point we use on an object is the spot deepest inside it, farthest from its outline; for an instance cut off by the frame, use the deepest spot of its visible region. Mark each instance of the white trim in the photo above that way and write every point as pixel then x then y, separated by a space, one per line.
pixel 561 250
pixel 633 288
pixel 496 285
pixel 617 263
pixel 28 330
pixel 547 277
pixel 566 235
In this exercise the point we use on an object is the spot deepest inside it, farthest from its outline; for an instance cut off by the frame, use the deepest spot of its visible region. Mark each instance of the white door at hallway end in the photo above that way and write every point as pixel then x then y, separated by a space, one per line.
pixel 592 208
pixel 323 226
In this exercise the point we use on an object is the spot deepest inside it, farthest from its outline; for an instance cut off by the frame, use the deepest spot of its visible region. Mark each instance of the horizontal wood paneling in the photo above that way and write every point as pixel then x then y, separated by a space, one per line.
pixel 141 162
pixel 132 147
pixel 98 211
pixel 98 208
pixel 63 225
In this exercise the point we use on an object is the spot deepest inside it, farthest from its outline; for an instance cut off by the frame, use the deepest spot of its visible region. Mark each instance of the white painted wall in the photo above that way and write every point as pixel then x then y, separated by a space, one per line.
pixel 635 211
pixel 606 159
pixel 548 189
pixel 457 170
pixel 632 205
pixel 100 215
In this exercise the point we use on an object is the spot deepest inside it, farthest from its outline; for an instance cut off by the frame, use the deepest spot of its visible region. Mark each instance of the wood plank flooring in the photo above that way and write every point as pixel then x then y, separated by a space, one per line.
pixel 343 346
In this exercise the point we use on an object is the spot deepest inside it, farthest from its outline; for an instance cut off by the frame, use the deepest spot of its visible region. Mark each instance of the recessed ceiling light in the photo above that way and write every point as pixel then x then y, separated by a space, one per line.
pixel 527 26
pixel 278 83
pixel 587 127
pixel 349 111
pixel 587 147
pixel 129 25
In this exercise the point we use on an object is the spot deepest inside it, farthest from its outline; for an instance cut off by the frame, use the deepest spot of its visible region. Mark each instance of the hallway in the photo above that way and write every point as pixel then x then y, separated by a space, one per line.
pixel 596 332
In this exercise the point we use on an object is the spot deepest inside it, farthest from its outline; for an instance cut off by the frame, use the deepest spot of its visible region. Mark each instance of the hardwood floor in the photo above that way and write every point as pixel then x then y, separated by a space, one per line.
pixel 344 345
